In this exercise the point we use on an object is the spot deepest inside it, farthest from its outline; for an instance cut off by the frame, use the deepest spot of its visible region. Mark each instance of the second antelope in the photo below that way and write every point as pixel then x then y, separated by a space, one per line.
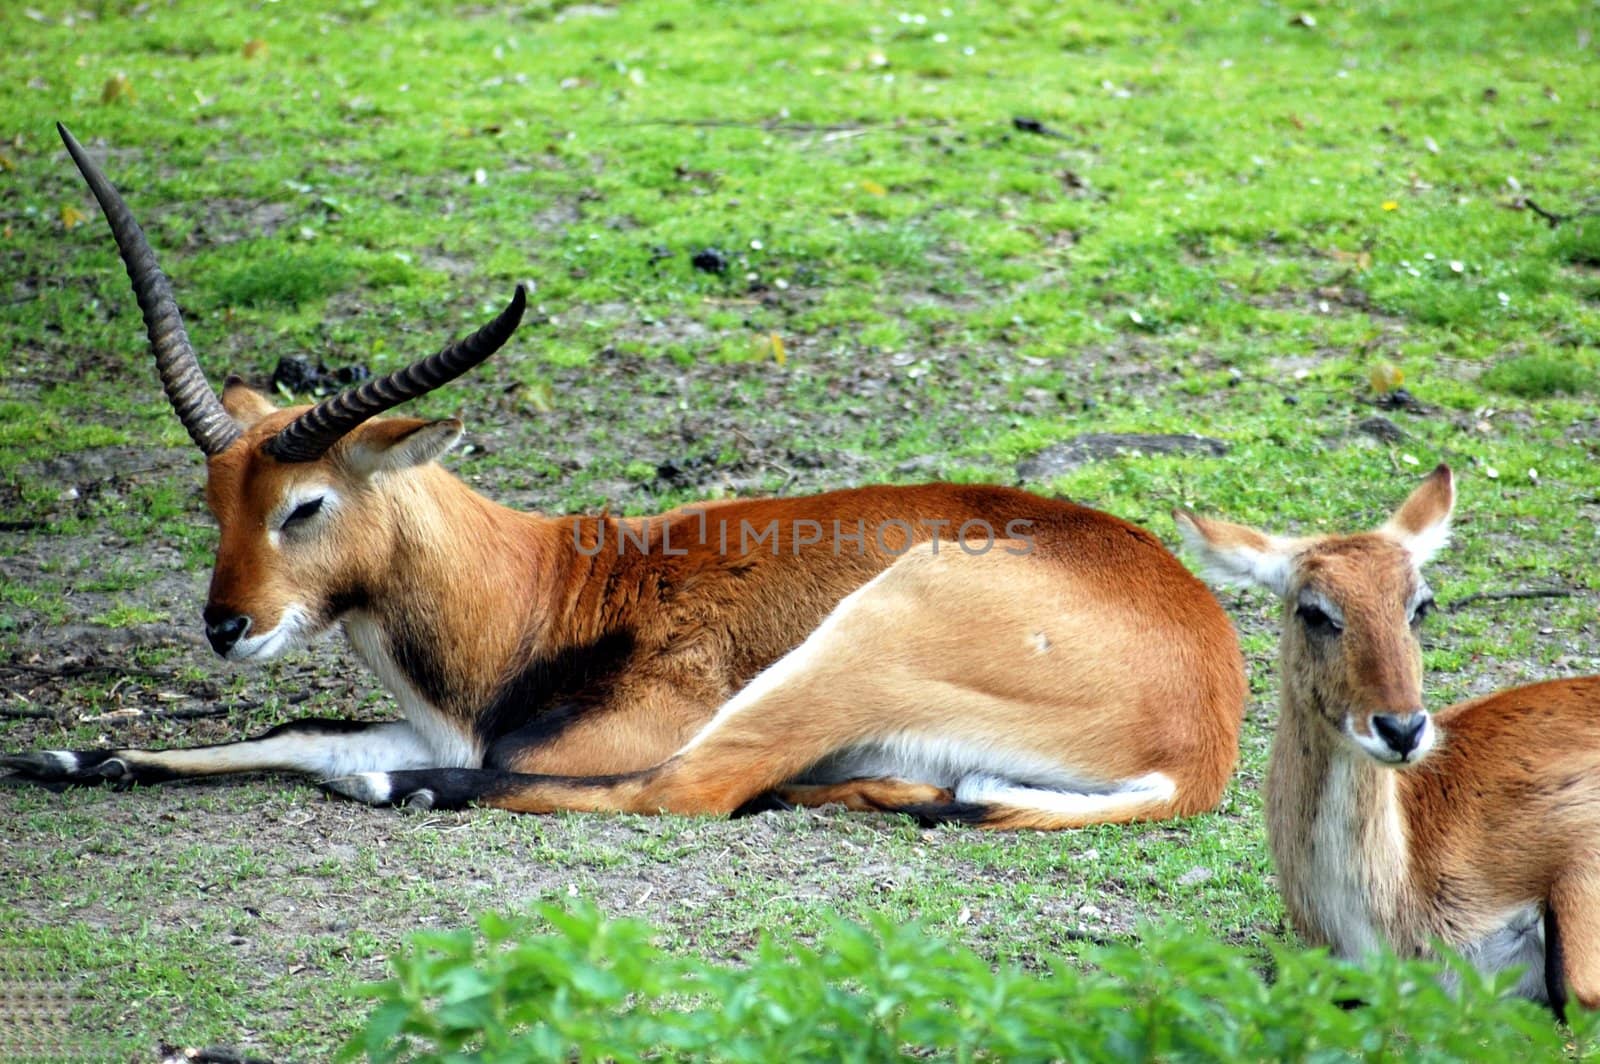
pixel 1478 826
pixel 1063 669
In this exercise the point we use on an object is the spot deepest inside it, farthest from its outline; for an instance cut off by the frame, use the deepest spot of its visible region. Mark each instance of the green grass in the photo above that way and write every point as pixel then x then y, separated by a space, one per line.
pixel 1542 375
pixel 283 276
pixel 125 615
pixel 1237 219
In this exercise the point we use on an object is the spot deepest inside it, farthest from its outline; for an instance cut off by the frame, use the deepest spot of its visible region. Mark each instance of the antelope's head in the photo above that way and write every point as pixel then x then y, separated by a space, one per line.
pixel 303 496
pixel 1353 607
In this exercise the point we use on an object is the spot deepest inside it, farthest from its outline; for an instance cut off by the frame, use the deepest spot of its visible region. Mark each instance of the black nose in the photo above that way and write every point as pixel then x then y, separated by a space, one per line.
pixel 224 629
pixel 1401 731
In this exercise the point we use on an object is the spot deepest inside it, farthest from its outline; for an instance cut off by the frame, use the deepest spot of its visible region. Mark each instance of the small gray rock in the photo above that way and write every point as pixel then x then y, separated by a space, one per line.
pixel 1381 428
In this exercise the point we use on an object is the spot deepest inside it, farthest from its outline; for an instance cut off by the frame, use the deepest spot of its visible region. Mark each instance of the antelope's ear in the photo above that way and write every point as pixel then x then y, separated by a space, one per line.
pixel 385 445
pixel 1422 524
pixel 243 403
pixel 1236 554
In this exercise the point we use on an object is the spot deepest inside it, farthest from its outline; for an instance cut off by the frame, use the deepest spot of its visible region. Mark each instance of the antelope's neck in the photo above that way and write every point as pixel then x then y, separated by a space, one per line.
pixel 1338 836
pixel 464 597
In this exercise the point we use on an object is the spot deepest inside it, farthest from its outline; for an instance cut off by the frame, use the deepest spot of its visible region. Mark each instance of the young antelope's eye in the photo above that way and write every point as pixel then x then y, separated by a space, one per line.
pixel 303 512
pixel 1317 621
pixel 1424 608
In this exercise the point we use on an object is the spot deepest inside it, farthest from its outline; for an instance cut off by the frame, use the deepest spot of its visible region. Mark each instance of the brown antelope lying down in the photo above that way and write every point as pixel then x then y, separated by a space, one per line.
pixel 958 652
pixel 1393 827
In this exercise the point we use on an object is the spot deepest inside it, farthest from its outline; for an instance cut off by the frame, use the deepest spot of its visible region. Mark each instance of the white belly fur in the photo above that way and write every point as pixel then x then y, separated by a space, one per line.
pixel 1518 941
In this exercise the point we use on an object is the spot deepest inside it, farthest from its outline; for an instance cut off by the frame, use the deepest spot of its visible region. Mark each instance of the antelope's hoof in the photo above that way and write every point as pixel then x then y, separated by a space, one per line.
pixel 418 788
pixel 70 766
pixel 380 789
pixel 768 802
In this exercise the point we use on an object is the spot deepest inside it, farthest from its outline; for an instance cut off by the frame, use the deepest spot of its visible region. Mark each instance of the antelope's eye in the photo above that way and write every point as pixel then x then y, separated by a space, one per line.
pixel 1317 621
pixel 1424 608
pixel 304 512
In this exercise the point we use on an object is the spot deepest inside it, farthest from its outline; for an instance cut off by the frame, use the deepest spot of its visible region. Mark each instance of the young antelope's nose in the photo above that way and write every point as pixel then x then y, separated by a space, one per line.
pixel 225 629
pixel 1401 731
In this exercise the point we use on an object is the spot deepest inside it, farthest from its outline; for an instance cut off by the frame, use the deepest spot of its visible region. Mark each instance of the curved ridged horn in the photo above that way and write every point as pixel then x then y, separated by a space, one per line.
pixel 191 397
pixel 308 437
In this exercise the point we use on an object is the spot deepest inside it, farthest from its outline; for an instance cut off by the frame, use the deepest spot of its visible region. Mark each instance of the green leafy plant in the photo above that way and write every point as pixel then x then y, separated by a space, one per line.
pixel 569 984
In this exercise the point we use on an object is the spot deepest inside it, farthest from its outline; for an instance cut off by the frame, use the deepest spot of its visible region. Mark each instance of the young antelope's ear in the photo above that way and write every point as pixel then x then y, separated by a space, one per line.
pixel 243 403
pixel 1235 554
pixel 388 444
pixel 1422 524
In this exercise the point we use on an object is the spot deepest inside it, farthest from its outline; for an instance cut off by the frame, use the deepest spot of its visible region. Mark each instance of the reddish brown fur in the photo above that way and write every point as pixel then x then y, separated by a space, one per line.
pixel 1521 764
pixel 866 796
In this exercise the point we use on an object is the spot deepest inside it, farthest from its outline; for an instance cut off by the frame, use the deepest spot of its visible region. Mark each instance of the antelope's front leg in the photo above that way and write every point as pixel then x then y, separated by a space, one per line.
pixel 1572 940
pixel 84 767
pixel 315 746
pixel 460 788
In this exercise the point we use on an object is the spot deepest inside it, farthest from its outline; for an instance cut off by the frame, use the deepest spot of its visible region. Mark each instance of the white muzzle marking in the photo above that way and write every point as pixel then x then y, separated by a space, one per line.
pixel 1378 750
pixel 292 632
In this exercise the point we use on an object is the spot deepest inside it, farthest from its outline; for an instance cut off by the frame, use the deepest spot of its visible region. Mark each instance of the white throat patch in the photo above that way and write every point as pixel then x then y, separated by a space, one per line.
pixel 453 745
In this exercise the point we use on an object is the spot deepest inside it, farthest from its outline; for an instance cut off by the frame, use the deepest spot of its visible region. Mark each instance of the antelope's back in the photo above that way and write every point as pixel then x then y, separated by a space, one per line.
pixel 756 576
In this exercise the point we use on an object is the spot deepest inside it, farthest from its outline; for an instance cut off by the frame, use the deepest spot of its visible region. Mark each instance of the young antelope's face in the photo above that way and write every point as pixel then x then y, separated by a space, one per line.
pixel 1353 608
